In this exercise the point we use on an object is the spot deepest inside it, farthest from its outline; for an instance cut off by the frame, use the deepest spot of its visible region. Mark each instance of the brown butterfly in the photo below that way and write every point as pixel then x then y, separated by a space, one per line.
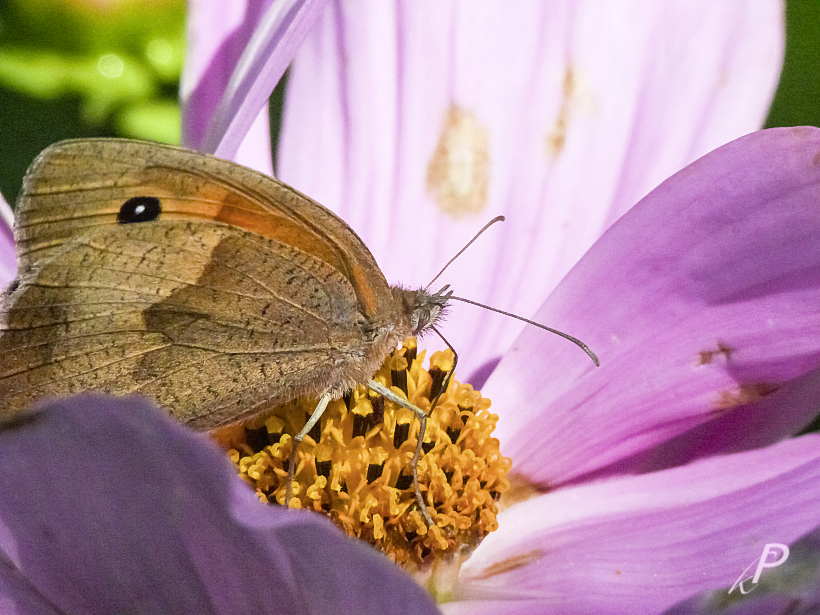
pixel 215 290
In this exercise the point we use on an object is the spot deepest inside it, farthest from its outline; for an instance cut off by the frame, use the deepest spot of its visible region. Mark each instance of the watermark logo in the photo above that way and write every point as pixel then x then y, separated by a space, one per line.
pixel 780 554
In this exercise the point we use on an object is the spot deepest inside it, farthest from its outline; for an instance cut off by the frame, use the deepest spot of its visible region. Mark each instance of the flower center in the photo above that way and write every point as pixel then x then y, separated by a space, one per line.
pixel 354 466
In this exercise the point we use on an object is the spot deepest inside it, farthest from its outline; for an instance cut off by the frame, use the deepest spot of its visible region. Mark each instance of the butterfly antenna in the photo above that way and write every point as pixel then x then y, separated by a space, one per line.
pixel 574 340
pixel 485 227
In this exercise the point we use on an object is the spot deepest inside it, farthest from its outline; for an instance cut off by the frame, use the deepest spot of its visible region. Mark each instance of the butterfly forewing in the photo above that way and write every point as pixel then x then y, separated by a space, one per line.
pixel 74 186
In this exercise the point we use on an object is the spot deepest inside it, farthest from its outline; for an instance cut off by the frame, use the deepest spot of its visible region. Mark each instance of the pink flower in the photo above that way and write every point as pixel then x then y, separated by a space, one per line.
pixel 666 471
pixel 563 141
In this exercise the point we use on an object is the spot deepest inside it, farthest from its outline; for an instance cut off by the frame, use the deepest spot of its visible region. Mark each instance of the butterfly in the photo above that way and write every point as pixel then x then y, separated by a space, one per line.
pixel 215 290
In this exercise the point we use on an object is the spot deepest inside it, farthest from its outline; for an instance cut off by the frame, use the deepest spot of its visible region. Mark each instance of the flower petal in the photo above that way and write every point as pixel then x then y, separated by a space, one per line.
pixel 109 506
pixel 438 116
pixel 18 596
pixel 639 544
pixel 217 34
pixel 8 259
pixel 700 301
pixel 267 37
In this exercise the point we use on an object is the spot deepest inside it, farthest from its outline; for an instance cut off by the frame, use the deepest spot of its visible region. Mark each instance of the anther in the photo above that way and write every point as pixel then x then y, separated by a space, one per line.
pixel 410 350
pixel 323 468
pixel 258 438
pixel 400 434
pixel 453 434
pixel 374 471
pixel 404 481
pixel 377 403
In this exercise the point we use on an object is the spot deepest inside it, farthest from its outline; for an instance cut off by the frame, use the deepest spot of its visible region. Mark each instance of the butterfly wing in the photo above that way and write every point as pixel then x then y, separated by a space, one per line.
pixel 240 295
pixel 81 184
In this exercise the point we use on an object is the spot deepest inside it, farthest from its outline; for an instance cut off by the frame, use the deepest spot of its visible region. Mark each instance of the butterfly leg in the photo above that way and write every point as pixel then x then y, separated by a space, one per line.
pixel 314 418
pixel 422 416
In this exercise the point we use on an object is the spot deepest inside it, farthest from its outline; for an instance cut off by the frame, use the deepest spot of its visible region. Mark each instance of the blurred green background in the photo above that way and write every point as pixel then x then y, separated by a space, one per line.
pixel 82 68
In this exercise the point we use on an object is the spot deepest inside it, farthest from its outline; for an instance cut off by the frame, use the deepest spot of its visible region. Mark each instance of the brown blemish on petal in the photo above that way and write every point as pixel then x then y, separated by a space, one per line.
pixel 458 173
pixel 744 394
pixel 521 490
pixel 707 356
pixel 576 96
pixel 557 135
pixel 512 563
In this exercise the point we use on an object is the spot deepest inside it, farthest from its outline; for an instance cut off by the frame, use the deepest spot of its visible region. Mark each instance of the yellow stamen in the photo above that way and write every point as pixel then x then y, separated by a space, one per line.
pixel 358 472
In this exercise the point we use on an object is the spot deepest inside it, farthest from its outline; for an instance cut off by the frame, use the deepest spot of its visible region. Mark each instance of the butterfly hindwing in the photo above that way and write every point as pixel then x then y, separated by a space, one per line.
pixel 200 322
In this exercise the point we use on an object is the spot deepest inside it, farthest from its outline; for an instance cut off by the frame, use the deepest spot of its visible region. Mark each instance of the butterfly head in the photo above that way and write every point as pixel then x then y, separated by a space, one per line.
pixel 427 308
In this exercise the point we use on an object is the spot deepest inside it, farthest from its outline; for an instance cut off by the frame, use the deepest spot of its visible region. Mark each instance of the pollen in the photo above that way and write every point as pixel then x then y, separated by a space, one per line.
pixel 355 465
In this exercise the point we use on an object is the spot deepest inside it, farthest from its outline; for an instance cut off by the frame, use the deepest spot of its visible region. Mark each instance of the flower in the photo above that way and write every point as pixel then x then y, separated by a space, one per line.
pixel 239 50
pixel 664 472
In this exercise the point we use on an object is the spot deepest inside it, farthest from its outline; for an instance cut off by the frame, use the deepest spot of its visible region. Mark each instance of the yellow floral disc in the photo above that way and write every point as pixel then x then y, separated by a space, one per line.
pixel 355 468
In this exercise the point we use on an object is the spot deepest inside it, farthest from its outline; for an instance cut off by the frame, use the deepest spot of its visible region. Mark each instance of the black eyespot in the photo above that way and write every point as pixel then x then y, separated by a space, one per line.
pixel 139 209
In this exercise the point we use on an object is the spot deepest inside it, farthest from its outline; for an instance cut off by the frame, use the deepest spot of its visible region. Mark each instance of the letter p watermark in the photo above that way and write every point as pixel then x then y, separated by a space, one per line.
pixel 780 553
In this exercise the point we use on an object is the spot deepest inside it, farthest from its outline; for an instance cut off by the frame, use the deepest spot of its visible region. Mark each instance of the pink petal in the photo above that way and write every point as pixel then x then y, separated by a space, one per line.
pixel 255 150
pixel 700 300
pixel 109 506
pixel 217 34
pixel 8 259
pixel 583 108
pixel 639 544
pixel 242 63
pixel 19 597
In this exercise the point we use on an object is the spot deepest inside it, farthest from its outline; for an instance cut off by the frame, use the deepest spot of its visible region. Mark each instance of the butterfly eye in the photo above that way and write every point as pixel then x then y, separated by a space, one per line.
pixel 422 318
pixel 139 209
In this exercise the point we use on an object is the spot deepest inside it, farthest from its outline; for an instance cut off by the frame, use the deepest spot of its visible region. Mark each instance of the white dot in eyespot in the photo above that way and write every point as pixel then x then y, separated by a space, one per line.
pixel 139 209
